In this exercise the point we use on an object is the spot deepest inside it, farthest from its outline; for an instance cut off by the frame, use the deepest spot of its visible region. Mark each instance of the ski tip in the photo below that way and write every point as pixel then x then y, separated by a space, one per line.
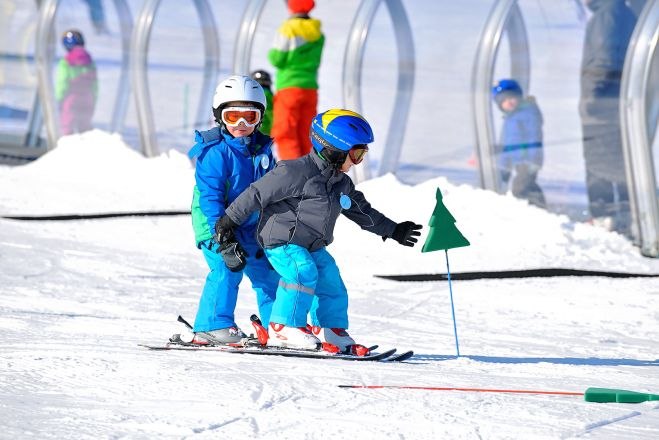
pixel 154 347
pixel 401 357
pixel 385 354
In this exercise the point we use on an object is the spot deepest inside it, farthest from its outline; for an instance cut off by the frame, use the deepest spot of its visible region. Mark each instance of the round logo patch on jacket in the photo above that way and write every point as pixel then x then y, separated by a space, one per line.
pixel 345 201
pixel 264 160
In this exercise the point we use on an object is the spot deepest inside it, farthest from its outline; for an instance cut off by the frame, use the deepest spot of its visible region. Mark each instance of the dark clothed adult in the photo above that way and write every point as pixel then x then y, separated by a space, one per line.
pixel 607 36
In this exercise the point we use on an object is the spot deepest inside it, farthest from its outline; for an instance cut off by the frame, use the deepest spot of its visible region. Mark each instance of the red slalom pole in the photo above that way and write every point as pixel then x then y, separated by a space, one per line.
pixel 479 390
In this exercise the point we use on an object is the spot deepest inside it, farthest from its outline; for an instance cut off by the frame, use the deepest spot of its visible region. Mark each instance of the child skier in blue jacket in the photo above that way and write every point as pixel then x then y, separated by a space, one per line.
pixel 520 149
pixel 229 158
pixel 299 203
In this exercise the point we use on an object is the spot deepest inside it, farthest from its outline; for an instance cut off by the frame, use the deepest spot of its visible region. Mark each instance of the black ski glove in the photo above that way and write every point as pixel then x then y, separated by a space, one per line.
pixel 223 226
pixel 233 254
pixel 406 233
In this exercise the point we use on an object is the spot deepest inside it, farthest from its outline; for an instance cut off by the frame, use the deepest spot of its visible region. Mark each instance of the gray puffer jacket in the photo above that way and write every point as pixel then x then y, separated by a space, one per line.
pixel 300 201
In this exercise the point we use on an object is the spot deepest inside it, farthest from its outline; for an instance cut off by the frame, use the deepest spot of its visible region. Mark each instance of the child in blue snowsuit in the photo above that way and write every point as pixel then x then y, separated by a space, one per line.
pixel 300 202
pixel 520 149
pixel 229 158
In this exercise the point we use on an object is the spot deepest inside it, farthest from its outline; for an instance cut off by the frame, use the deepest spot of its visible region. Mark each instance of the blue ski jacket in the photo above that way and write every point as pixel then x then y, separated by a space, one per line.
pixel 521 137
pixel 226 166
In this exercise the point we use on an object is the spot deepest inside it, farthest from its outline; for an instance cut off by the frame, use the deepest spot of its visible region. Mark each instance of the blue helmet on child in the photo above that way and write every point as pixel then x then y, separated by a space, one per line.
pixel 72 38
pixel 506 87
pixel 335 132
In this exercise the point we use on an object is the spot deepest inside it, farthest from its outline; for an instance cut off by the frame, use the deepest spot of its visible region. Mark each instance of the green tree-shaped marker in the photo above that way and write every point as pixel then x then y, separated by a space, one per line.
pixel 444 235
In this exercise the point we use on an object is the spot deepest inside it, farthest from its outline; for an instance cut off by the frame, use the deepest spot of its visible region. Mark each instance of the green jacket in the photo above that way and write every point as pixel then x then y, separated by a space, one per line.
pixel 296 53
pixel 266 125
pixel 76 75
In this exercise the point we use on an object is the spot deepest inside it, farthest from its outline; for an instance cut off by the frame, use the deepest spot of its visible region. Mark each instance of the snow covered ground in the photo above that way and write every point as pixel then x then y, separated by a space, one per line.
pixel 79 296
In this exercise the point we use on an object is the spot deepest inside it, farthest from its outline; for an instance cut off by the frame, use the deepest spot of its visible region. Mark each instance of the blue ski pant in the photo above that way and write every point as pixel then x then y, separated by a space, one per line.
pixel 310 284
pixel 220 294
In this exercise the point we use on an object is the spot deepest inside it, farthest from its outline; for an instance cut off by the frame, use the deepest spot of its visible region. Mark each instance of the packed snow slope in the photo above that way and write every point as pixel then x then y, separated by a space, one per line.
pixel 79 296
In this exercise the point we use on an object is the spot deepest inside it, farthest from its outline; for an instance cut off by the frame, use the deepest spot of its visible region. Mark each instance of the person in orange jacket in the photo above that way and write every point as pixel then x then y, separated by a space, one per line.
pixel 296 56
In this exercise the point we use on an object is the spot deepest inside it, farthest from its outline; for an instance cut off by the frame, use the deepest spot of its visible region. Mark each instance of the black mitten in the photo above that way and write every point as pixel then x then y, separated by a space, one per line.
pixel 406 233
pixel 233 254
pixel 223 225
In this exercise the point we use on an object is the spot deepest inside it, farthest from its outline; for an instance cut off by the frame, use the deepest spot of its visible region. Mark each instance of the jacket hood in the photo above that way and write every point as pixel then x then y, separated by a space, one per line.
pixel 309 29
pixel 78 56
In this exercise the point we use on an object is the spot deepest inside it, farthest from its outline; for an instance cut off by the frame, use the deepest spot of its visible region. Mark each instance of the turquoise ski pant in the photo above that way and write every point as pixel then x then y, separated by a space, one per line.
pixel 220 294
pixel 310 284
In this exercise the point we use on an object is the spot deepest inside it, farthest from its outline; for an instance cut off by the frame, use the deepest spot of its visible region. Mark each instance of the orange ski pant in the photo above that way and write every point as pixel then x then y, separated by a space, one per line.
pixel 293 110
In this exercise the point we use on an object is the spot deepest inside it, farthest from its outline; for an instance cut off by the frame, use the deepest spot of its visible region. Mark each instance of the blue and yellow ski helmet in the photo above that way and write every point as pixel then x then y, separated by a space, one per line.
pixel 335 132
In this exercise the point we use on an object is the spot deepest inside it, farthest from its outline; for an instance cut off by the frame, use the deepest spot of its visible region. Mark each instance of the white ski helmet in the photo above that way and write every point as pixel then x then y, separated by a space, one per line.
pixel 238 88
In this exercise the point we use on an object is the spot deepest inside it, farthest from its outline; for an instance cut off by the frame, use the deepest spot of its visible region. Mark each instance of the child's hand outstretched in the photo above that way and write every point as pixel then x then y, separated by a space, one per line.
pixel 406 233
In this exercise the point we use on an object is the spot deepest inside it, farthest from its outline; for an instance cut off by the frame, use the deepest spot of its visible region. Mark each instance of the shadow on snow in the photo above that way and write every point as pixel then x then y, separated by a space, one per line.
pixel 537 360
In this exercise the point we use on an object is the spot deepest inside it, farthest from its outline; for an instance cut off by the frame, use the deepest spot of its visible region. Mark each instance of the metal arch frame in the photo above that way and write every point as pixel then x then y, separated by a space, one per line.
pixel 121 101
pixel 242 50
pixel 352 67
pixel 212 63
pixel 636 119
pixel 32 137
pixel 140 43
pixel 352 72
pixel 44 62
pixel 505 15
pixel 44 51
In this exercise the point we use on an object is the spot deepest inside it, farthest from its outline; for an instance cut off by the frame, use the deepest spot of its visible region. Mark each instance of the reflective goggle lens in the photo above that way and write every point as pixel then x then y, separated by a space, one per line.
pixel 233 115
pixel 357 153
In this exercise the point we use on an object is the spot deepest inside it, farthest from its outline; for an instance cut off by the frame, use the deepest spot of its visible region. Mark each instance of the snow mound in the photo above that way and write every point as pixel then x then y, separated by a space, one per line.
pixel 96 172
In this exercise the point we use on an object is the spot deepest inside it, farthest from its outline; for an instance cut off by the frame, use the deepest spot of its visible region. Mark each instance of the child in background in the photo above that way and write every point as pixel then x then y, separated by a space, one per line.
pixel 296 54
pixel 520 150
pixel 76 86
pixel 229 158
pixel 263 78
pixel 300 202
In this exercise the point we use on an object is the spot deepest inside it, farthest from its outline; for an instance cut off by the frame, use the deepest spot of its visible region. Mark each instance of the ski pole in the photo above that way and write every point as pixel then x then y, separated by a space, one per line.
pixel 450 289
pixel 598 395
pixel 183 321
pixel 480 390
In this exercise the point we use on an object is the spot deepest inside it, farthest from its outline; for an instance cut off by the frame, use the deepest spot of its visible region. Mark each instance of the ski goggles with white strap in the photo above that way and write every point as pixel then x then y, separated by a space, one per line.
pixel 233 116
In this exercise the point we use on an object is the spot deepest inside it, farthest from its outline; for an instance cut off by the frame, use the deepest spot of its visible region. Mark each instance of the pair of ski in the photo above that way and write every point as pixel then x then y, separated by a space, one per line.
pixel 257 346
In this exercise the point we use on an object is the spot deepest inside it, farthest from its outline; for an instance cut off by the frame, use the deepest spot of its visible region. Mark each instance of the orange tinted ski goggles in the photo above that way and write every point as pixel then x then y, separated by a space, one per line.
pixel 232 116
pixel 357 153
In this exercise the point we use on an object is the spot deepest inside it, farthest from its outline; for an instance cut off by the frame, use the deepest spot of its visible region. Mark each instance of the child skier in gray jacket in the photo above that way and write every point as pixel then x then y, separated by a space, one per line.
pixel 300 201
